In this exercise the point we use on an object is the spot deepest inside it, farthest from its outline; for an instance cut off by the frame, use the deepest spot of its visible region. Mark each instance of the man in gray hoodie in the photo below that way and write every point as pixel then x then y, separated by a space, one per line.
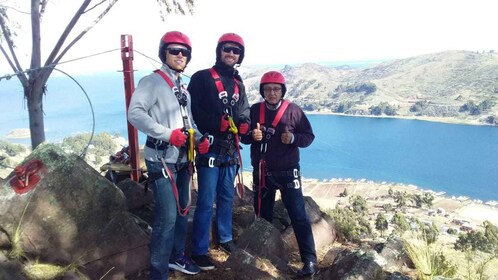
pixel 160 108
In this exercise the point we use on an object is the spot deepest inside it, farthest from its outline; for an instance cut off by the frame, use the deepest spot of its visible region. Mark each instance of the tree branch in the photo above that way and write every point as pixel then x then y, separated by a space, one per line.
pixel 95 6
pixel 77 38
pixel 35 37
pixel 15 65
pixel 43 4
pixel 51 58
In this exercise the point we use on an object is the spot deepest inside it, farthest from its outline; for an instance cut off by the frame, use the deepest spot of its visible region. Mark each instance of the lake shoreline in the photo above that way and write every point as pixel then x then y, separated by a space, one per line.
pixel 445 120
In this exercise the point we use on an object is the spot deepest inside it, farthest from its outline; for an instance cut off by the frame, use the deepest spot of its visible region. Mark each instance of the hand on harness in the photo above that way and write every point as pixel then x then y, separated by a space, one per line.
pixel 224 124
pixel 243 128
pixel 178 138
pixel 203 146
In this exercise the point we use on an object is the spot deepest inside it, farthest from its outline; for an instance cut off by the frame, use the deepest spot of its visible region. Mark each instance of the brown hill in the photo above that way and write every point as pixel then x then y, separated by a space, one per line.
pixel 452 86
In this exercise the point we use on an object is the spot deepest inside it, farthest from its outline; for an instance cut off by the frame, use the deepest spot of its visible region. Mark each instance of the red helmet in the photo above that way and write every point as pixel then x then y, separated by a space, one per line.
pixel 173 37
pixel 272 77
pixel 231 38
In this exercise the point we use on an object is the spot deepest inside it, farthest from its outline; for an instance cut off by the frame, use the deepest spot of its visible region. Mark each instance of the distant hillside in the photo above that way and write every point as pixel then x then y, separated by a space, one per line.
pixel 452 86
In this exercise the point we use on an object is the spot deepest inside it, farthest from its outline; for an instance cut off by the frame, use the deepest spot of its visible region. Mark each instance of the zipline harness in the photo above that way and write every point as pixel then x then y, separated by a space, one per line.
pixel 268 133
pixel 228 104
pixel 181 96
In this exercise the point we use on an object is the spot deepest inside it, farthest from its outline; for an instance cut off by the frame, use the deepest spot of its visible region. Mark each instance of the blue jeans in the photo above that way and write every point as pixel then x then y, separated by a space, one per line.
pixel 170 229
pixel 213 182
pixel 292 197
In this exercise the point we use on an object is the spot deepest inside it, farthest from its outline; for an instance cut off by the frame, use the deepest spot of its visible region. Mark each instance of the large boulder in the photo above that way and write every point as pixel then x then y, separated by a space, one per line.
pixel 262 239
pixel 246 266
pixel 359 265
pixel 73 215
pixel 322 225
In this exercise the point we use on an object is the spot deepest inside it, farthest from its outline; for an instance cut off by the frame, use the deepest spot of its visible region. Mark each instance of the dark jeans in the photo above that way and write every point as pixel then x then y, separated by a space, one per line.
pixel 169 230
pixel 292 197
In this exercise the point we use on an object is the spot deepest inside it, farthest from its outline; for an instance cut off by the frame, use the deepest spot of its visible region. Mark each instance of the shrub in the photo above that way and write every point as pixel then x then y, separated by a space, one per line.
pixel 429 261
pixel 12 149
pixel 350 225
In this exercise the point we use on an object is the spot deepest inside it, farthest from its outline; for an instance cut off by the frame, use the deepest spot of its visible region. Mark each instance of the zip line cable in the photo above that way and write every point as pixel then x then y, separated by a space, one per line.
pixel 53 65
pixel 85 150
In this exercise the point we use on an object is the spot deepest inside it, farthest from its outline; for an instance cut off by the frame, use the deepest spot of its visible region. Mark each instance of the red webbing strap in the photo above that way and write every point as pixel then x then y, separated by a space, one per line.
pixel 181 211
pixel 219 84
pixel 165 77
pixel 277 118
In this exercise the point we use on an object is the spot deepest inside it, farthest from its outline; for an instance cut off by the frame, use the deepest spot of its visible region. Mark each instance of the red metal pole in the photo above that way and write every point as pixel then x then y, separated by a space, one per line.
pixel 129 85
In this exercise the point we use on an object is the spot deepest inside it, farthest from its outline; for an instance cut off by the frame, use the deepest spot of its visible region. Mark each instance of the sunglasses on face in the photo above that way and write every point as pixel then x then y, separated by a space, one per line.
pixel 229 49
pixel 177 51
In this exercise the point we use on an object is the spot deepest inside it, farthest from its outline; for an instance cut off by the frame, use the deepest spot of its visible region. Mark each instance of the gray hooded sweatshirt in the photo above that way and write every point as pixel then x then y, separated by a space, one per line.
pixel 155 111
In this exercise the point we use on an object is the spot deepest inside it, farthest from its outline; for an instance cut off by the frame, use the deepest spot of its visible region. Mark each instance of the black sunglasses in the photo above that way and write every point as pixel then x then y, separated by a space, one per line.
pixel 177 51
pixel 229 49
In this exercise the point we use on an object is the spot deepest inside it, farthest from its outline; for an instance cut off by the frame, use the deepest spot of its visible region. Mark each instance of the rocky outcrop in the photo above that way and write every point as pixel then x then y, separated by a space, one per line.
pixel 73 215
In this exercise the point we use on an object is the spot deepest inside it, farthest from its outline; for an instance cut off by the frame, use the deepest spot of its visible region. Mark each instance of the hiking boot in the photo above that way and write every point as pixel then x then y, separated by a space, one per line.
pixel 228 247
pixel 185 265
pixel 203 262
pixel 309 269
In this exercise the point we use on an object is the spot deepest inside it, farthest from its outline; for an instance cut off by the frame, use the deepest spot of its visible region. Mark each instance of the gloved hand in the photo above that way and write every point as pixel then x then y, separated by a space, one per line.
pixel 177 138
pixel 243 128
pixel 224 123
pixel 203 146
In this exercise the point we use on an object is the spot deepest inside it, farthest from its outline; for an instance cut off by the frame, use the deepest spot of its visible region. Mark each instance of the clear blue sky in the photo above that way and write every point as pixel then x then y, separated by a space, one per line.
pixel 278 31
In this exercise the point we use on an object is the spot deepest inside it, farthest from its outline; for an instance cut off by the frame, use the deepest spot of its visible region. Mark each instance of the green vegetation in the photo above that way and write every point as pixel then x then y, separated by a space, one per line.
pixel 381 223
pixel 102 145
pixel 351 226
pixel 350 220
pixel 419 106
pixel 344 193
pixel 428 259
pixel 476 109
pixel 492 120
pixel 383 108
pixel 400 224
pixel 12 149
pixel 366 88
pixel 486 241
pixel 420 199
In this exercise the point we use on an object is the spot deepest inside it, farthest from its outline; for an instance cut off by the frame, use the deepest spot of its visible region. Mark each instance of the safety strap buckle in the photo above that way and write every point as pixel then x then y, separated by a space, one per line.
pixel 269 132
pixel 210 139
pixel 211 162
pixel 296 183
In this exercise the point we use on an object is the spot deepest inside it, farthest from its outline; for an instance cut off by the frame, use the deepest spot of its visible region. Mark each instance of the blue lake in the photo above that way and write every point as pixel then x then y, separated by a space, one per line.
pixel 456 159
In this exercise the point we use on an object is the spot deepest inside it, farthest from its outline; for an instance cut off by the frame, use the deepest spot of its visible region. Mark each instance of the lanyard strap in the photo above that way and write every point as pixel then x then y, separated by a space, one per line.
pixel 222 93
pixel 182 100
pixel 278 116
pixel 181 96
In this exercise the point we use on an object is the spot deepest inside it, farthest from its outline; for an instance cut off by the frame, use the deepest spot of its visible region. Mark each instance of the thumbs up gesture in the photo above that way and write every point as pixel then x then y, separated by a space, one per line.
pixel 257 134
pixel 287 137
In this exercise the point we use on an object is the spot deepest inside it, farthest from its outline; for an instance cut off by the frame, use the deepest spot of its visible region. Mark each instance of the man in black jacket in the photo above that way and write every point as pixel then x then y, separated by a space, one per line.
pixel 279 129
pixel 220 108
